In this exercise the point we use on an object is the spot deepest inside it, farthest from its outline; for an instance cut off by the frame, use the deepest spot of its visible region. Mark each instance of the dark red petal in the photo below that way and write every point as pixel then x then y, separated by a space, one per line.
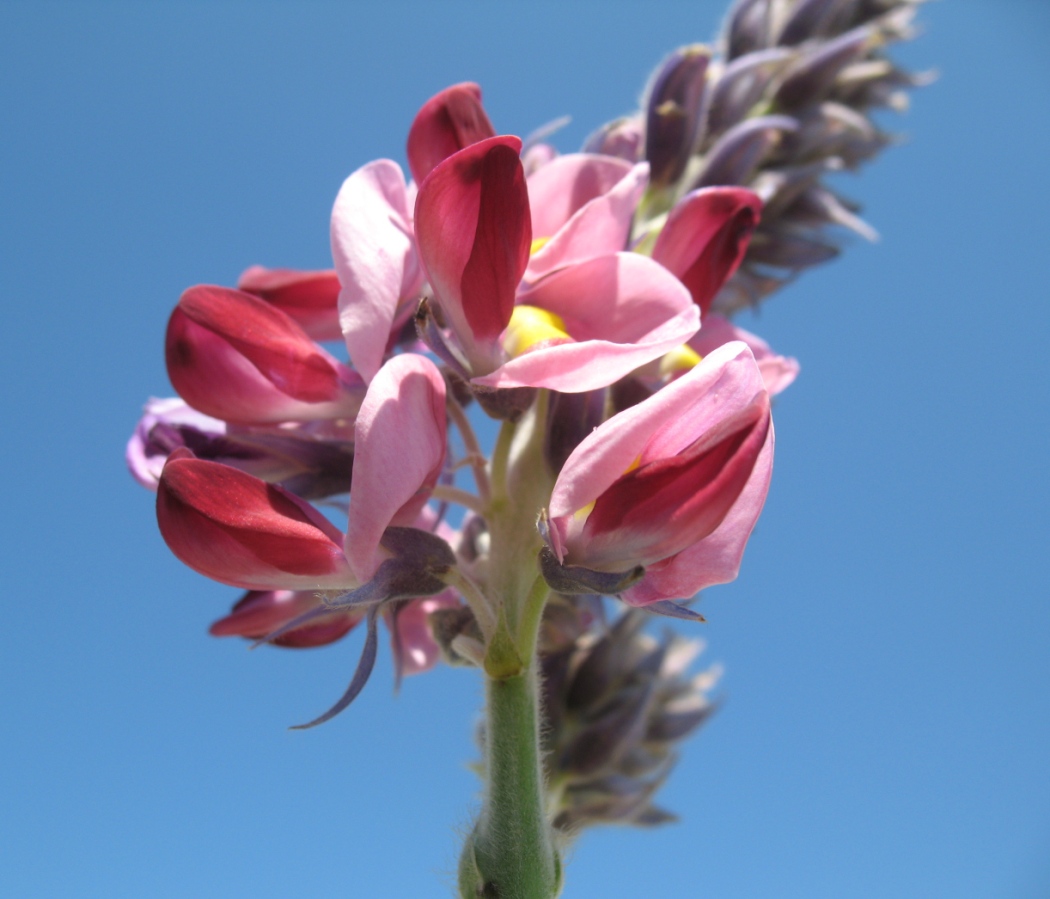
pixel 474 230
pixel 706 237
pixel 262 334
pixel 310 298
pixel 238 529
pixel 446 123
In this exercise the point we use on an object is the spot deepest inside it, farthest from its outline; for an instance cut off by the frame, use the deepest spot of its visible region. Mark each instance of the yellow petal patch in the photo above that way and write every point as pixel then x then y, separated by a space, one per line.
pixel 538 244
pixel 530 325
pixel 679 361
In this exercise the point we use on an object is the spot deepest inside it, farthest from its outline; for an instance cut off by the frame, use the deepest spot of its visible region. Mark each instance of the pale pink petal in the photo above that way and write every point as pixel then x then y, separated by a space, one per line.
pixel 399 450
pixel 564 185
pixel 778 371
pixel 599 227
pixel 376 259
pixel 622 311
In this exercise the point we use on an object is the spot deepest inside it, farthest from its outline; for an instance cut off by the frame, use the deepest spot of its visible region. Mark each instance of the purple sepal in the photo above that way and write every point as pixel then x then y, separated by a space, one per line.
pixel 573 579
pixel 364 670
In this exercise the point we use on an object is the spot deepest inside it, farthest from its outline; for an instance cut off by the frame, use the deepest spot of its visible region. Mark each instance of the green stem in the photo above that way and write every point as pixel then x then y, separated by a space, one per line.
pixel 511 853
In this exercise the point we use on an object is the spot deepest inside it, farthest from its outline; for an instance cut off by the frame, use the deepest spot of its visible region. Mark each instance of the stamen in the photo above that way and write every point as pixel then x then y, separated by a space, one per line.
pixel 529 326
pixel 679 361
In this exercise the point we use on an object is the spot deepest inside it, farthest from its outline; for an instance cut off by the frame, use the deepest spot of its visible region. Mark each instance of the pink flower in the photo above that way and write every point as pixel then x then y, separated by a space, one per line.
pixel 674 484
pixel 259 613
pixel 239 530
pixel 591 317
pixel 235 357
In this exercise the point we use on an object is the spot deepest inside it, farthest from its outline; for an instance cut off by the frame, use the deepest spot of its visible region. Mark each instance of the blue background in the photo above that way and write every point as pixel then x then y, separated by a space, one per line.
pixel 886 730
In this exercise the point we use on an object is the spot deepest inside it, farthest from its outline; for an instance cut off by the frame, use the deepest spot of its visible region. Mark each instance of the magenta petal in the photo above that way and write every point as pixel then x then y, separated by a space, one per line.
pixel 399 451
pixel 472 223
pixel 446 123
pixel 235 357
pixel 310 298
pixel 705 238
pixel 239 530
pixel 559 189
pixel 598 228
pixel 376 259
pixel 621 312
pixel 778 372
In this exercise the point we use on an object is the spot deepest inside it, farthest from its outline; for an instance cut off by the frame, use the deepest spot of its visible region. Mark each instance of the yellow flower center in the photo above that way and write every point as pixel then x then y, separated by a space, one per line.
pixel 538 244
pixel 530 325
pixel 679 361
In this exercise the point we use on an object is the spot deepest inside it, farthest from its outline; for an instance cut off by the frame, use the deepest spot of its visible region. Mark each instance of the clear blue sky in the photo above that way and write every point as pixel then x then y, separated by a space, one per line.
pixel 886 731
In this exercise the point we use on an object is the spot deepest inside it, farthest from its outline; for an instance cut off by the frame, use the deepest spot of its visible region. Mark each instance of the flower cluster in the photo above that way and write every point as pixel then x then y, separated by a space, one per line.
pixel 313 456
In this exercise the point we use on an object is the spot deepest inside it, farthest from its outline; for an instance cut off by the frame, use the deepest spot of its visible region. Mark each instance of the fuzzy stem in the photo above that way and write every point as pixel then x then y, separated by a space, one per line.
pixel 475 456
pixel 511 853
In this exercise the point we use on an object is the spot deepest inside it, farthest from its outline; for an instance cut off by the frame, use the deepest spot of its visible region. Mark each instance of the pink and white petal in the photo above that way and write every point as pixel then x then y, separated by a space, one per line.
pixel 598 228
pixel 311 298
pixel 672 418
pixel 400 440
pixel 564 185
pixel 621 310
pixel 778 371
pixel 241 531
pixel 375 257
pixel 715 559
pixel 705 238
